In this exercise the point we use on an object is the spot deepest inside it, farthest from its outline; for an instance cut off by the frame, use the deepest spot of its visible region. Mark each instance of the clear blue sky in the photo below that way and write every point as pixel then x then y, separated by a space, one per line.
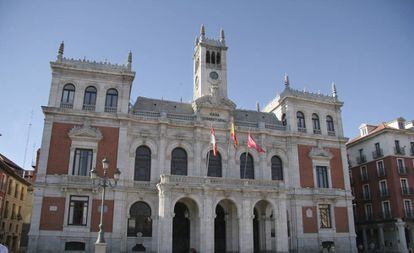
pixel 365 47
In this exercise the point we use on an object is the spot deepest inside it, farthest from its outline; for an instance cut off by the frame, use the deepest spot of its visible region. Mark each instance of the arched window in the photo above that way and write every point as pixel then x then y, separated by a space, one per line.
pixel 284 122
pixel 214 165
pixel 142 170
pixel 89 100
pixel 301 121
pixel 246 167
pixel 277 168
pixel 330 124
pixel 179 162
pixel 111 101
pixel 208 56
pixel 218 58
pixel 213 58
pixel 68 95
pixel 316 124
pixel 140 220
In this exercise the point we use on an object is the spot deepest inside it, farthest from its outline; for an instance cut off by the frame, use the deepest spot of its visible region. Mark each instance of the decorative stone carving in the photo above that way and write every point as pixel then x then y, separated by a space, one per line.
pixel 85 132
pixel 320 153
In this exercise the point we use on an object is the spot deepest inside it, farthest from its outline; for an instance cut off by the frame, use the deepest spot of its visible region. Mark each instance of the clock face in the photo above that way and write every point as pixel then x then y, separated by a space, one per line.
pixel 214 75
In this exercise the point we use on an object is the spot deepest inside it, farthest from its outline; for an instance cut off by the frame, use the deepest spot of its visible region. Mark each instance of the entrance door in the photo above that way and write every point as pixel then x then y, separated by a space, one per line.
pixel 256 235
pixel 181 229
pixel 220 231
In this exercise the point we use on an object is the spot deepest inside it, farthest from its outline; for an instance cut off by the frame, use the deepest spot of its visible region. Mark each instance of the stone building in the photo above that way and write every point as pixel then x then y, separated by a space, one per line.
pixel 381 163
pixel 174 194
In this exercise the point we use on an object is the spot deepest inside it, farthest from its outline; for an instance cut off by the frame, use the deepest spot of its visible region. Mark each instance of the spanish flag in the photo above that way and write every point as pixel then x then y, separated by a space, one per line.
pixel 233 135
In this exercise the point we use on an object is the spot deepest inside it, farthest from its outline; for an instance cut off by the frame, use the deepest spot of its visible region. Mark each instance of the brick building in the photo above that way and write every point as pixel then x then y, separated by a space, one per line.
pixel 174 193
pixel 381 162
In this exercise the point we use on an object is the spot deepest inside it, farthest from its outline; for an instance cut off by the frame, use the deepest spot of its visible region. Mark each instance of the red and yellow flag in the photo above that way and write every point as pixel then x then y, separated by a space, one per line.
pixel 233 135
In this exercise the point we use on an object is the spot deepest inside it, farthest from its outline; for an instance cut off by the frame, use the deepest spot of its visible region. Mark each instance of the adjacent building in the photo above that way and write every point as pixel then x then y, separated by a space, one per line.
pixel 174 194
pixel 381 162
pixel 15 205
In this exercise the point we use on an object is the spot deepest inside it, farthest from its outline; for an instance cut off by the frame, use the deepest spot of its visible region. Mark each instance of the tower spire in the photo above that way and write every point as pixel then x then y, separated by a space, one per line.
pixel 202 32
pixel 334 93
pixel 257 106
pixel 61 50
pixel 286 80
pixel 222 39
pixel 129 59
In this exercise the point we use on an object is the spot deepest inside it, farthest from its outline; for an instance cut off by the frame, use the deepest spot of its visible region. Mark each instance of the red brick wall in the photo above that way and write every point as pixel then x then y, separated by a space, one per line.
pixel 310 225
pixel 59 151
pixel 107 217
pixel 341 219
pixel 305 166
pixel 108 147
pixel 337 172
pixel 52 220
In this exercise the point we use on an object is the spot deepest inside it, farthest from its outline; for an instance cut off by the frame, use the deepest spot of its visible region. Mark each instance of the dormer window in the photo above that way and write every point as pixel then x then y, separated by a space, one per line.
pixel 68 96
pixel 111 101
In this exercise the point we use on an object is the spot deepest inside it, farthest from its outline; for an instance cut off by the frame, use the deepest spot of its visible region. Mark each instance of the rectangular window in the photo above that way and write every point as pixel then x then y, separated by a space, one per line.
pixel 3 183
pixel 408 208
pixel 380 168
pixel 364 173
pixel 82 162
pixel 78 210
pixel 383 188
pixel 412 148
pixel 401 167
pixel 9 187
pixel 16 190
pixel 386 209
pixel 322 176
pixel 6 210
pixel 368 211
pixel 22 193
pixel 366 192
pixel 405 190
pixel 325 216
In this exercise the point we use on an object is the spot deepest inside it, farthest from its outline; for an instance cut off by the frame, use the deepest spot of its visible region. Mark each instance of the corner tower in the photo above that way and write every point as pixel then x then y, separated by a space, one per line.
pixel 210 66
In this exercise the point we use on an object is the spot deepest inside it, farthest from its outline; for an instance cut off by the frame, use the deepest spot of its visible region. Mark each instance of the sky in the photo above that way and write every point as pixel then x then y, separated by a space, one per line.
pixel 365 47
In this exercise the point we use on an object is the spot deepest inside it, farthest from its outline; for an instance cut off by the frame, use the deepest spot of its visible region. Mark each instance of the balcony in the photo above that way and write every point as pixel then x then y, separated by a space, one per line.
pixel 387 215
pixel 110 109
pixel 377 153
pixel 302 129
pixel 87 107
pixel 364 177
pixel 399 150
pixel 381 172
pixel 366 197
pixel 66 105
pixel 331 133
pixel 316 131
pixel 402 170
pixel 406 191
pixel 361 159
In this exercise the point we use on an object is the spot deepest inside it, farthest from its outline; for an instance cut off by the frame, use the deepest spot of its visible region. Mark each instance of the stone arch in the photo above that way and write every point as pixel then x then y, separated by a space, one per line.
pixel 281 153
pixel 154 207
pixel 263 223
pixel 190 155
pixel 252 152
pixel 226 225
pixel 139 141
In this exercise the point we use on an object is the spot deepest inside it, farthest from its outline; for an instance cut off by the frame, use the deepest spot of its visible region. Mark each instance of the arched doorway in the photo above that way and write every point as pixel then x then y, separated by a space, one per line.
pixel 226 227
pixel 186 226
pixel 263 224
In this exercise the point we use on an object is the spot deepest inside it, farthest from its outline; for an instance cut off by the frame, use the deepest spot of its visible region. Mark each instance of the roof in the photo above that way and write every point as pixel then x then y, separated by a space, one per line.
pixel 381 127
pixel 8 166
pixel 255 116
pixel 159 105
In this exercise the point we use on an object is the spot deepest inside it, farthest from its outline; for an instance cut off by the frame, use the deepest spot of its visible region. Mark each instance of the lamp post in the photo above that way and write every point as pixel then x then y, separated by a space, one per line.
pixel 103 182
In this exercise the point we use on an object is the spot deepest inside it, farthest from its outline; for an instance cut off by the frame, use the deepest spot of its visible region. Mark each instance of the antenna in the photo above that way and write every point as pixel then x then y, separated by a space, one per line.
pixel 27 139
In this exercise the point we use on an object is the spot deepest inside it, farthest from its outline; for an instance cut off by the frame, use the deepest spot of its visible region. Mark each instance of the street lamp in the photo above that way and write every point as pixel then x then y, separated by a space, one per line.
pixel 103 182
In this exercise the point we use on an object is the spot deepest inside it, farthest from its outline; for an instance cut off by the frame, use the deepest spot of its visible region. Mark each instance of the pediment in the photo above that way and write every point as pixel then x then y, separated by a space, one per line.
pixel 320 153
pixel 85 132
pixel 213 101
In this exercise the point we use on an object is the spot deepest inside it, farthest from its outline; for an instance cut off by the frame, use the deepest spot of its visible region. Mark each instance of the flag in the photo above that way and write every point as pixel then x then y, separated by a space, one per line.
pixel 233 135
pixel 252 144
pixel 213 141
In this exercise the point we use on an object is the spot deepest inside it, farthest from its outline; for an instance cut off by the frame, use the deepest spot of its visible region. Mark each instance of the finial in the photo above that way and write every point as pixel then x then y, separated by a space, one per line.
pixel 202 32
pixel 222 40
pixel 257 106
pixel 61 50
pixel 196 40
pixel 334 93
pixel 286 80
pixel 129 59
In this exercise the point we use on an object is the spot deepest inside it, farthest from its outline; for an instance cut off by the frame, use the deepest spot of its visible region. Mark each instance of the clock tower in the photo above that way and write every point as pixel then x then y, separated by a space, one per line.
pixel 210 67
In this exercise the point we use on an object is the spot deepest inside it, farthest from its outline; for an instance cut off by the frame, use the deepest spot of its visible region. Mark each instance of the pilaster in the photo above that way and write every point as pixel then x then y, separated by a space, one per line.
pixel 282 240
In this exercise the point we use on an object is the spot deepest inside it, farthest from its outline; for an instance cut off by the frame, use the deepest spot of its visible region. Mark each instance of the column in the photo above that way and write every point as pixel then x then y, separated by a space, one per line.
pixel 207 226
pixel 402 242
pixel 364 238
pixel 381 241
pixel 412 237
pixel 246 227
pixel 165 221
pixel 282 240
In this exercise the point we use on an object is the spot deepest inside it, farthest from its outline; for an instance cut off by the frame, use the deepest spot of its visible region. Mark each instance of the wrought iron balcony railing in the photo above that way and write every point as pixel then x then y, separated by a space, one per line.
pixel 377 153
pixel 399 150
pixel 361 159
pixel 407 191
pixel 402 170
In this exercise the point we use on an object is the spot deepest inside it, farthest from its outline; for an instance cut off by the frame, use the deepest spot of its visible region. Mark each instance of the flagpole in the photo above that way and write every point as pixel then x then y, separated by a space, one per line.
pixel 208 152
pixel 246 155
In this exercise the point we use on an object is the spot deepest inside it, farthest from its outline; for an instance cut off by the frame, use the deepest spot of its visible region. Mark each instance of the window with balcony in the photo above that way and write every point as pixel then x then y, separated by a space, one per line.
pixel 380 168
pixel 246 166
pixel 383 188
pixel 111 100
pixel 68 95
pixel 316 124
pixel 405 189
pixel 361 157
pixel 214 164
pixel 322 176
pixel 398 150
pixel 82 164
pixel 408 208
pixel 401 167
pixel 89 100
pixel 300 117
pixel 142 170
pixel 179 162
pixel 330 125
pixel 325 216
pixel 386 209
pixel 364 173
pixel 378 151
pixel 366 192
pixel 277 168
pixel 368 211
pixel 78 210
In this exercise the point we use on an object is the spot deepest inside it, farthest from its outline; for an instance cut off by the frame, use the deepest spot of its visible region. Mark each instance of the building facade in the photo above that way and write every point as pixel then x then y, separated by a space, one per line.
pixel 381 163
pixel 174 193
pixel 15 206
